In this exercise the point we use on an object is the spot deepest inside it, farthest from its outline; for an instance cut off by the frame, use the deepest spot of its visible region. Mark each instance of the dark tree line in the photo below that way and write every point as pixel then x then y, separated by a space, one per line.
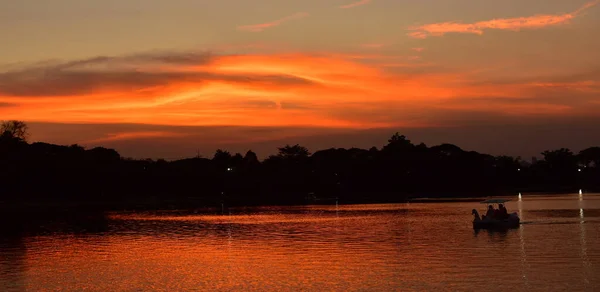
pixel 400 169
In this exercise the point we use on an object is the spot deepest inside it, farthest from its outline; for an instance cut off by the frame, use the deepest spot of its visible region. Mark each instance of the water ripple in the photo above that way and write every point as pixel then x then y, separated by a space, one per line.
pixel 407 247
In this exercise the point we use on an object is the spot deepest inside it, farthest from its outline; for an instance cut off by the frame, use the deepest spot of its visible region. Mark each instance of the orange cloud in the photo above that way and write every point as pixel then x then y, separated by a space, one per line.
pixel 135 136
pixel 583 86
pixel 355 4
pixel 408 65
pixel 5 104
pixel 277 90
pixel 262 26
pixel 512 109
pixel 512 24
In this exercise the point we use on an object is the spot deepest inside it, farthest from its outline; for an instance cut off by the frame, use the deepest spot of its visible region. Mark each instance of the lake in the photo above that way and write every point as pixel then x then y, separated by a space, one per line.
pixel 387 247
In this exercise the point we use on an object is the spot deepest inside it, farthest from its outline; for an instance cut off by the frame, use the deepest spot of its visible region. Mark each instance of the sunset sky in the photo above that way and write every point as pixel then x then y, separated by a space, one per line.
pixel 158 78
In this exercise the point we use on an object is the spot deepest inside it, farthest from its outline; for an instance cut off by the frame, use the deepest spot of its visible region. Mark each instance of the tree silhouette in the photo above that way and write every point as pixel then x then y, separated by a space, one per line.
pixel 590 157
pixel 222 155
pixel 14 129
pixel 508 163
pixel 103 155
pixel 222 158
pixel 397 143
pixel 237 160
pixel 399 170
pixel 250 158
pixel 448 150
pixel 293 152
pixel 561 159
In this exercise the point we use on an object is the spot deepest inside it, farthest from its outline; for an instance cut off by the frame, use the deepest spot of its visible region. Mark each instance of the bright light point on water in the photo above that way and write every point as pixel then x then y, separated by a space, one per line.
pixel 519 196
pixel 518 169
pixel 580 191
pixel 579 169
pixel 229 169
pixel 581 213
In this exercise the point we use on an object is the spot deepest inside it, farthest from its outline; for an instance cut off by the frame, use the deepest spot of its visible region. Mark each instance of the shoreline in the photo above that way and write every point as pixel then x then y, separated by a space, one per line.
pixel 156 204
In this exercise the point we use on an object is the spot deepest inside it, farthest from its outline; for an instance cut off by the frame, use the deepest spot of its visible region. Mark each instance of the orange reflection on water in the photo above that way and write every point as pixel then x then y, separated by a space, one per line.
pixel 408 247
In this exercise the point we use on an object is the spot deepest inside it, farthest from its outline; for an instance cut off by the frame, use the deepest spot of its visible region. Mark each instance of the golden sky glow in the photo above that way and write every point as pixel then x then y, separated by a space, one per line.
pixel 260 90
pixel 307 65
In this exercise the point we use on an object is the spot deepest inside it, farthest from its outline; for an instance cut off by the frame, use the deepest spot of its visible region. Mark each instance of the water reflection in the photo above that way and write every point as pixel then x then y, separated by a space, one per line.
pixel 520 208
pixel 408 247
pixel 498 236
pixel 12 263
pixel 524 264
pixel 583 242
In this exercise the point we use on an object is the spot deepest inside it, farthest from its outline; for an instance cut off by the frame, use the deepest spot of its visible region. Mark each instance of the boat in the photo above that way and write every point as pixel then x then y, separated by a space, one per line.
pixel 513 220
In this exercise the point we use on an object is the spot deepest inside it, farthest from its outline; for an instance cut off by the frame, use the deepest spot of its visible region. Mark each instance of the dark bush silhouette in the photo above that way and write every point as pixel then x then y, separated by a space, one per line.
pixel 41 172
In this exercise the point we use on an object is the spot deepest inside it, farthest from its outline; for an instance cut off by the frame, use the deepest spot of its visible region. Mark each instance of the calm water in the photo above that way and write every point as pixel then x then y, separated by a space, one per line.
pixel 392 247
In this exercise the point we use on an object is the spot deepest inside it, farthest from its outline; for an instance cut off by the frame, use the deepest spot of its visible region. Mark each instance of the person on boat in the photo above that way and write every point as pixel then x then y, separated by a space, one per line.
pixel 490 213
pixel 503 213
pixel 496 215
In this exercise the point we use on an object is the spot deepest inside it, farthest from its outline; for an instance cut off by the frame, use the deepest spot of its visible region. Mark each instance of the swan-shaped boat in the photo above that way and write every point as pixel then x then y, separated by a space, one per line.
pixel 512 221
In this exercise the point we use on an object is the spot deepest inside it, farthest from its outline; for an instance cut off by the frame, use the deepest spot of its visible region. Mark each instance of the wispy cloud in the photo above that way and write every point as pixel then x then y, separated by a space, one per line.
pixel 127 74
pixel 262 26
pixel 136 136
pixel 356 4
pixel 588 86
pixel 6 104
pixel 512 24
pixel 268 90
pixel 408 65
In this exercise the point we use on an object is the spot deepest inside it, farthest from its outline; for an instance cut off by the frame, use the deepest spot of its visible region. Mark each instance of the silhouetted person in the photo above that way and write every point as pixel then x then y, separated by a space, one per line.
pixel 502 212
pixel 490 212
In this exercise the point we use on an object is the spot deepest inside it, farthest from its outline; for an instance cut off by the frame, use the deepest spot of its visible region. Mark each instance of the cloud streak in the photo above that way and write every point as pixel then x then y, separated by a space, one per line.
pixel 262 26
pixel 511 24
pixel 6 104
pixel 136 136
pixel 58 81
pixel 356 4
pixel 319 90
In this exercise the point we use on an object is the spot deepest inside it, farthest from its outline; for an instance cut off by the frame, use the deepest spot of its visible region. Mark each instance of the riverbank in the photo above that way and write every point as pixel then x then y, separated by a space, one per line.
pixel 156 203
